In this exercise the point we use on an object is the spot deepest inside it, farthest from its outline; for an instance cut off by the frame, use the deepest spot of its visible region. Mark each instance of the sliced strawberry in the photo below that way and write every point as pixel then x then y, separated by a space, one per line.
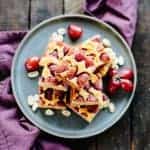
pixel 83 79
pixel 80 56
pixel 87 85
pixel 80 99
pixel 91 98
pixel 104 57
pixel 98 84
pixel 89 62
pixel 53 69
pixel 61 68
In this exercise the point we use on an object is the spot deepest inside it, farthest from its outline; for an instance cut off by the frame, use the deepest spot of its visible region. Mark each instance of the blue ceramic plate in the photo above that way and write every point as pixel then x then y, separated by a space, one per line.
pixel 34 43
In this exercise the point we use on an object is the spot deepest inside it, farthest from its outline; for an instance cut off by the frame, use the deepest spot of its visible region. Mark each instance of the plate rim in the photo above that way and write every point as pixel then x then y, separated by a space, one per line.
pixel 51 131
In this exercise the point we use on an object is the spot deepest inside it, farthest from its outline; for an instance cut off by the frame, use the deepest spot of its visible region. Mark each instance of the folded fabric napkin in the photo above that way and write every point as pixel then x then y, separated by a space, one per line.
pixel 121 14
pixel 16 132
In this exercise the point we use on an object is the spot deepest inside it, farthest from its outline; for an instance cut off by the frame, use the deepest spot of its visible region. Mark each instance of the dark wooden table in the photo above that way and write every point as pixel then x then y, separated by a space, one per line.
pixel 133 130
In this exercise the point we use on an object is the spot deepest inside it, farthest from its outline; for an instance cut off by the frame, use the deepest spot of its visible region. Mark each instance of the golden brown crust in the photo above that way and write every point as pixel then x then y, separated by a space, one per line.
pixel 85 100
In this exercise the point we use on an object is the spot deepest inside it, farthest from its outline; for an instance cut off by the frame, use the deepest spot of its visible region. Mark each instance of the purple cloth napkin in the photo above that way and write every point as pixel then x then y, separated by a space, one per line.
pixel 16 132
pixel 121 14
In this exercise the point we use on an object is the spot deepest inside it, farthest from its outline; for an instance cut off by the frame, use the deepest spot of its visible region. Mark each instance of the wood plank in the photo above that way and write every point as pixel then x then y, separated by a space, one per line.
pixel 117 137
pixel 141 105
pixel 73 7
pixel 13 14
pixel 44 9
pixel 86 144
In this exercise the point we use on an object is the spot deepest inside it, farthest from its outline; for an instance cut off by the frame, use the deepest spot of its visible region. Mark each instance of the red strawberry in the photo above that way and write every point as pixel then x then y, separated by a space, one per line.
pixel 126 85
pixel 113 85
pixel 32 64
pixel 125 73
pixel 74 31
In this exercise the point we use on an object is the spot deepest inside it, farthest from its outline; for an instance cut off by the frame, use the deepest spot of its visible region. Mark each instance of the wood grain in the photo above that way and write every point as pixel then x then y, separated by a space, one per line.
pixel 117 137
pixel 141 103
pixel 13 14
pixel 73 6
pixel 44 9
pixel 82 144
